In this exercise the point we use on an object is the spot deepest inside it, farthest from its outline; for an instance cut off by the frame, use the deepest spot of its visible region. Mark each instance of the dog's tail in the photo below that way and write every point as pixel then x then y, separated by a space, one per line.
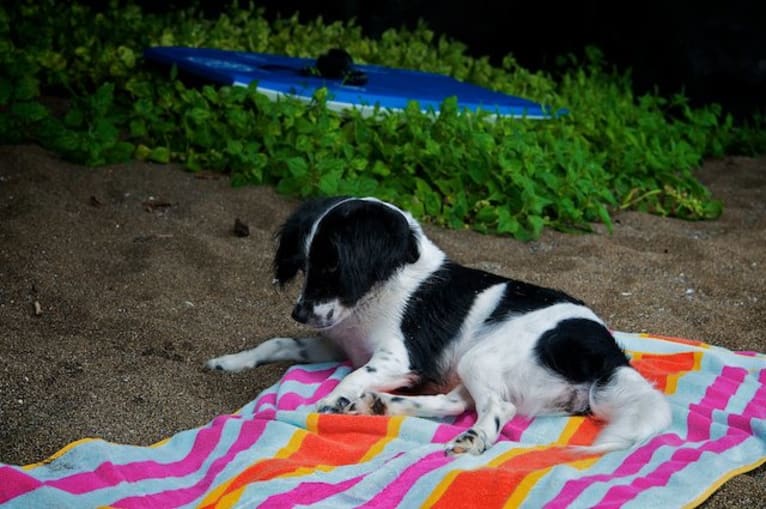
pixel 632 408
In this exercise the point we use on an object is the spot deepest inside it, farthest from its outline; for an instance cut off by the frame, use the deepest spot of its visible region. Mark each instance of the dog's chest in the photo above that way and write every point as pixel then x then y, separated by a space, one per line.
pixel 354 341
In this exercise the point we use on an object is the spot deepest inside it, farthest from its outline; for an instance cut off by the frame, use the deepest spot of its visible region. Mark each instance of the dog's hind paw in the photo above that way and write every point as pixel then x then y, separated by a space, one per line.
pixel 471 441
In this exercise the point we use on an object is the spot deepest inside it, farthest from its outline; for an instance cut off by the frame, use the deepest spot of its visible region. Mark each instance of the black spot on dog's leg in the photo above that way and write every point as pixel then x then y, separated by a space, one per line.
pixel 340 404
pixel 371 369
pixel 397 399
pixel 377 407
pixel 497 423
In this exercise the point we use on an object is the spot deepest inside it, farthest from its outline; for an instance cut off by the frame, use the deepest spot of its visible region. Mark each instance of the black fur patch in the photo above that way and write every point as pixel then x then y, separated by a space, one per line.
pixel 357 244
pixel 581 351
pixel 521 297
pixel 290 256
pixel 377 407
pixel 436 311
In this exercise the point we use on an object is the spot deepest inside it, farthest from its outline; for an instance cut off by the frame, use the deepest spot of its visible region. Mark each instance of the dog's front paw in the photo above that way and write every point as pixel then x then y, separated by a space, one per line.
pixel 472 442
pixel 338 405
pixel 369 403
pixel 231 363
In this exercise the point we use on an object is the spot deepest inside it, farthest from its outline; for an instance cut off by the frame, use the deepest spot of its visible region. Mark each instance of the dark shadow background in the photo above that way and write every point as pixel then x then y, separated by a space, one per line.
pixel 713 51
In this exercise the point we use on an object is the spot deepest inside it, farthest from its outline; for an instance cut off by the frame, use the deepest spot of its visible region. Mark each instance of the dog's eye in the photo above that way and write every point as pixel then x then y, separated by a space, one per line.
pixel 330 269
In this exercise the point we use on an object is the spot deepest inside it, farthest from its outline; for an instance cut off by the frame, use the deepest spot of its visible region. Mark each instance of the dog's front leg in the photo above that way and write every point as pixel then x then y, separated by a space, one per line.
pixel 279 349
pixel 385 371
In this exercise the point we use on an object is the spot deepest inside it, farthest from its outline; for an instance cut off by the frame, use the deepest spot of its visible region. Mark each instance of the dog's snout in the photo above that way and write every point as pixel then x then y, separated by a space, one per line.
pixel 301 312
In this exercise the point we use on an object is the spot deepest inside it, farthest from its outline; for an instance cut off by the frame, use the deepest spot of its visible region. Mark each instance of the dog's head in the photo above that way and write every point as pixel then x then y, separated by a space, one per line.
pixel 344 247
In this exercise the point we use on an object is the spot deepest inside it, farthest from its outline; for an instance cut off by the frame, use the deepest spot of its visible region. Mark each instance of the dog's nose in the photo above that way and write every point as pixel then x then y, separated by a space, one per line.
pixel 301 312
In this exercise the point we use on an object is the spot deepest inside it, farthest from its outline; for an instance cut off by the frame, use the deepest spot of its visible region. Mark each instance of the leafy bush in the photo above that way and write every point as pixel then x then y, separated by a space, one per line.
pixel 508 176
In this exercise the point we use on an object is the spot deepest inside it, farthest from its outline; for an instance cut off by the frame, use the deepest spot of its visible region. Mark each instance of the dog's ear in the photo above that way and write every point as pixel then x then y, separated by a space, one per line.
pixel 290 254
pixel 379 241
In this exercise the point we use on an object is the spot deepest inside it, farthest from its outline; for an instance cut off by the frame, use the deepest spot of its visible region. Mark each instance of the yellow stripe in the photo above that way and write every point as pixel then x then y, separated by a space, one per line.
pixel 717 484
pixel 394 423
pixel 671 385
pixel 697 361
pixel 573 423
pixel 59 453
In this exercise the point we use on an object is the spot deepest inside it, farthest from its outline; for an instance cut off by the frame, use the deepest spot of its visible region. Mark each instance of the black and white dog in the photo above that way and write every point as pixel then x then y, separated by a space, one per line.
pixel 380 293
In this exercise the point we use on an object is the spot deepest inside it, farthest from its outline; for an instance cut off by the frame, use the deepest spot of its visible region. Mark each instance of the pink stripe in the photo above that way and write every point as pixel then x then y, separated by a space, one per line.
pixel 641 456
pixel 291 401
pixel 394 492
pixel 267 399
pixel 15 483
pixel 323 390
pixel 107 474
pixel 680 459
pixel 716 398
pixel 446 432
pixel 307 493
pixel 511 431
pixel 686 456
pixel 308 377
pixel 515 428
pixel 249 434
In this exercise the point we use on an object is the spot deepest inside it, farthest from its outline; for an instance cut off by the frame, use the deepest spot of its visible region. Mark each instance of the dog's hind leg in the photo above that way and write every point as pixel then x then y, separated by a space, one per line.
pixel 279 349
pixel 485 383
pixel 493 414
pixel 437 405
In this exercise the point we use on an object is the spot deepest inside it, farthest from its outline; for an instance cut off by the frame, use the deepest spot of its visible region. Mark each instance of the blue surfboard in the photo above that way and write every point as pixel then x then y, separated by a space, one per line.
pixel 385 87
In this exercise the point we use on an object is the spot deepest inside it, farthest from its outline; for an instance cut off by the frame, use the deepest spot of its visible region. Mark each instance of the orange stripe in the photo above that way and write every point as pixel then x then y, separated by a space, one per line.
pixel 586 432
pixel 491 487
pixel 658 368
pixel 337 440
pixel 674 339
pixel 578 431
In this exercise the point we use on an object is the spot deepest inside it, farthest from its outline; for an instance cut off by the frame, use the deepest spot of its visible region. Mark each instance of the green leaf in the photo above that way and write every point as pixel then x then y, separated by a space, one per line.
pixel 506 223
pixel 297 166
pixel 328 183
pixel 27 88
pixel 159 155
pixel 29 111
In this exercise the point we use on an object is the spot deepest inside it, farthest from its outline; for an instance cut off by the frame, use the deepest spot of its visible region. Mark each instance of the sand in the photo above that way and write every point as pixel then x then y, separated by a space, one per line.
pixel 139 278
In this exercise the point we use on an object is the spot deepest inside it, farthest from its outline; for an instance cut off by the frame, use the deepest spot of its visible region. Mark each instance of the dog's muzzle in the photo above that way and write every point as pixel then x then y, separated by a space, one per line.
pixel 319 316
pixel 302 312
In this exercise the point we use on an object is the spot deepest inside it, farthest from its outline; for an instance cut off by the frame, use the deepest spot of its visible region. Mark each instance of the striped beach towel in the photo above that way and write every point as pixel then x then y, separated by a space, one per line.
pixel 275 452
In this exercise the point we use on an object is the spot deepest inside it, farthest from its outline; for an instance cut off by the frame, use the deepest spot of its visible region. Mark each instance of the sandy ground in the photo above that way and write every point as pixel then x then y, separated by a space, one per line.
pixel 140 279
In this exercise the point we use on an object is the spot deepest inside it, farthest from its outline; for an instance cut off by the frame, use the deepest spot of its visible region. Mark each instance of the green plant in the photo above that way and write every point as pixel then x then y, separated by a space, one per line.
pixel 74 81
